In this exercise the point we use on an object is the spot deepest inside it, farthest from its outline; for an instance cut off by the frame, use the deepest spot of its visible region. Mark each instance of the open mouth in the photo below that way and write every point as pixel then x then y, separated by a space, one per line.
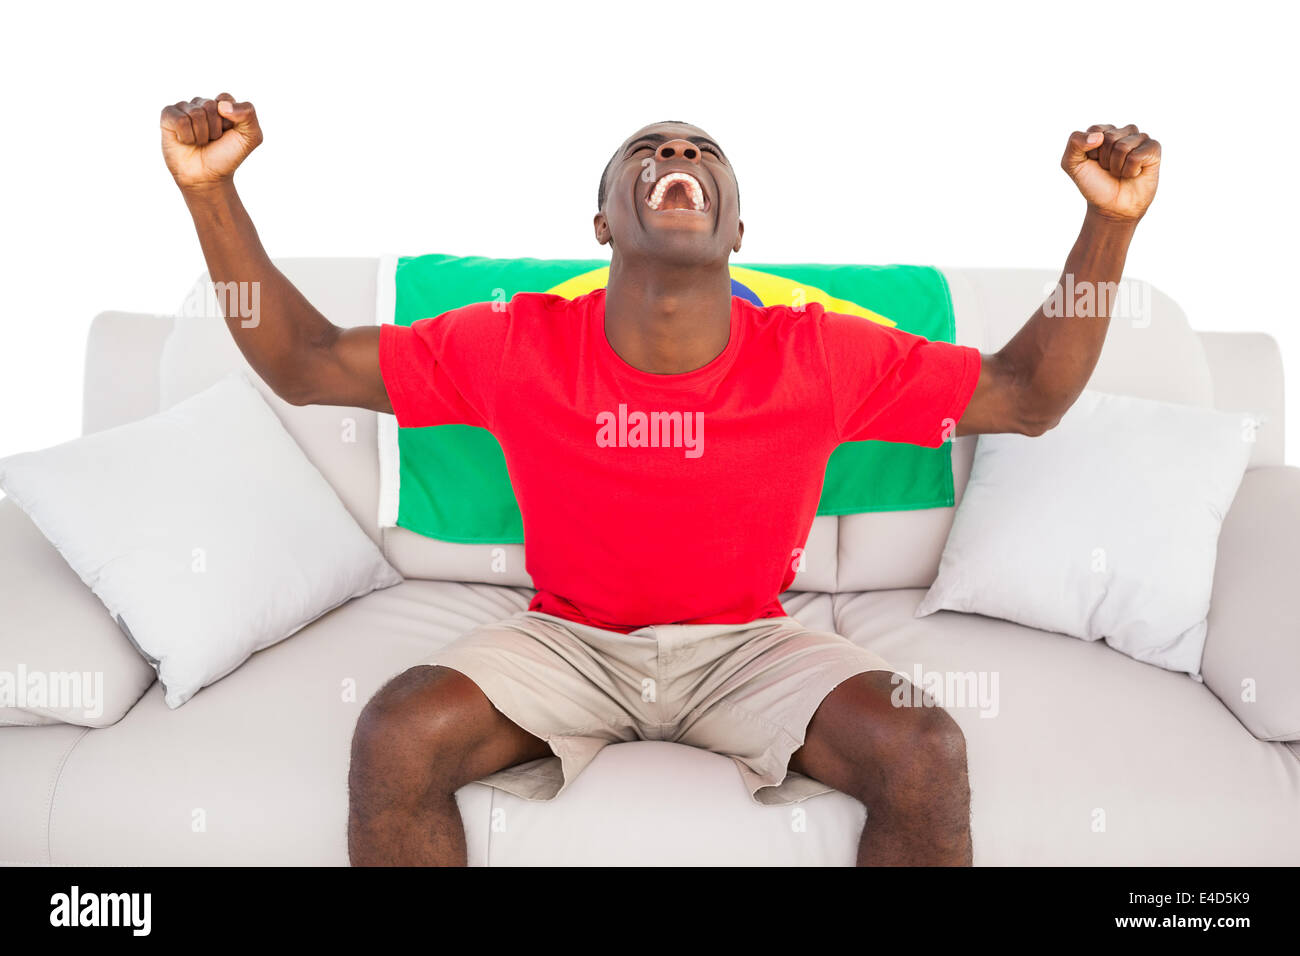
pixel 677 192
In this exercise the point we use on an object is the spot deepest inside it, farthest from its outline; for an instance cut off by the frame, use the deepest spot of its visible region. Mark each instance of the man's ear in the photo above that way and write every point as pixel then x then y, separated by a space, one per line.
pixel 740 234
pixel 601 226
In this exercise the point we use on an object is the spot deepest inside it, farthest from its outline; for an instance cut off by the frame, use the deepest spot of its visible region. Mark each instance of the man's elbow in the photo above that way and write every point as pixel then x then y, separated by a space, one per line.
pixel 1016 403
pixel 300 394
pixel 1036 426
pixel 298 399
pixel 293 388
pixel 1037 417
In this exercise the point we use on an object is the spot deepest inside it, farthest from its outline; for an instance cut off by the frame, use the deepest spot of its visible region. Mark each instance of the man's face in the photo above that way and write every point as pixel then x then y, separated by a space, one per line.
pixel 671 196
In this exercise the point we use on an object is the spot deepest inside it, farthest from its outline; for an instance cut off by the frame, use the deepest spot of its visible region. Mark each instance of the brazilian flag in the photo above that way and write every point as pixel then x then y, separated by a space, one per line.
pixel 450 481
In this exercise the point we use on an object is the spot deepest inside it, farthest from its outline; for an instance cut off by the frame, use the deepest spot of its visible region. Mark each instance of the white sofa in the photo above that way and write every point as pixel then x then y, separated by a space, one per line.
pixel 1082 734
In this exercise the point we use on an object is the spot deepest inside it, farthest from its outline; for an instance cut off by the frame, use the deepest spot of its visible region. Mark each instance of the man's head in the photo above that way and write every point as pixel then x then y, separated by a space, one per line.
pixel 669 194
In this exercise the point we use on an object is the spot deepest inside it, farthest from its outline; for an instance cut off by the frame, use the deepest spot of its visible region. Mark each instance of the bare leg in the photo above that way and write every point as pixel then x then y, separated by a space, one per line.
pixel 427 733
pixel 906 764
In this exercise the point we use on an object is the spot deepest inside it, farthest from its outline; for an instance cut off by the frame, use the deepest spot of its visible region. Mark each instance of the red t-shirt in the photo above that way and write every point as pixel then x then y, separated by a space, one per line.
pixel 669 499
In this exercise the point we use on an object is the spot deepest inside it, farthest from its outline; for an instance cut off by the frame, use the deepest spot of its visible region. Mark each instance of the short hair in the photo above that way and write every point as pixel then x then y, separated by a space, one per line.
pixel 600 193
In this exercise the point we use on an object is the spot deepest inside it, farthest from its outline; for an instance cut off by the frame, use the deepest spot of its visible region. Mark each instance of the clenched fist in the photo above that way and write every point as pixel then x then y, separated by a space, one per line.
pixel 204 141
pixel 1115 169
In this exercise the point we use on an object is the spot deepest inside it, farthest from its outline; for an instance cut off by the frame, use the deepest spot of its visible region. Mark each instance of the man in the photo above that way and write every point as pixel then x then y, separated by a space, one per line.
pixel 659 568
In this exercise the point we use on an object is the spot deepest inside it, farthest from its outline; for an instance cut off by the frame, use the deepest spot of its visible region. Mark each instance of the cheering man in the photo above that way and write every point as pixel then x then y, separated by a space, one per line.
pixel 658 565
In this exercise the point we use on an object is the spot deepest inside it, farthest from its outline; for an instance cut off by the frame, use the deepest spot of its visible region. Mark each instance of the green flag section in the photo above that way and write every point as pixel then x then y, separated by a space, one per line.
pixel 450 481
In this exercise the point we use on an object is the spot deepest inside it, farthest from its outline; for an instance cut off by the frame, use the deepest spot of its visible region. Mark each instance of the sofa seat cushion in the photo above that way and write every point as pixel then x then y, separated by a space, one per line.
pixel 1085 738
pixel 32 758
pixel 254 769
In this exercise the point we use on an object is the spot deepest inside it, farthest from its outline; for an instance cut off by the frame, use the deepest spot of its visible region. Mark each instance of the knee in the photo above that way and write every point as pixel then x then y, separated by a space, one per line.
pixel 923 752
pixel 410 725
pixel 937 741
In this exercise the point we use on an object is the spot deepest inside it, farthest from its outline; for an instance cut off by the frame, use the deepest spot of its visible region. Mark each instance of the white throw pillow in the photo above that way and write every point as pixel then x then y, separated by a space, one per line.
pixel 1104 528
pixel 203 529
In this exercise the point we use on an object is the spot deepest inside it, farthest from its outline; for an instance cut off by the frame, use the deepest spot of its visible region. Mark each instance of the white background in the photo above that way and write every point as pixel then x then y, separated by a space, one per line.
pixel 927 134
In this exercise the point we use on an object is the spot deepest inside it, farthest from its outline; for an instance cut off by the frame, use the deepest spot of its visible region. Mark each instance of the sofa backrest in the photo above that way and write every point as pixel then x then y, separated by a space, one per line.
pixel 139 364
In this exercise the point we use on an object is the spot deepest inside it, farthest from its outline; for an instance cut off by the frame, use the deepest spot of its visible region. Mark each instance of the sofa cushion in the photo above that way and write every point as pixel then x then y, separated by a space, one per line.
pixel 1089 757
pixel 254 769
pixel 33 758
pixel 1247 370
pixel 416 556
pixel 123 352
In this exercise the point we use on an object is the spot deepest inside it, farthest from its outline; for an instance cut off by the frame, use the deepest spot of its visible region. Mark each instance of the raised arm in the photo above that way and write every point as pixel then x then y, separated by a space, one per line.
pixel 306 359
pixel 1031 381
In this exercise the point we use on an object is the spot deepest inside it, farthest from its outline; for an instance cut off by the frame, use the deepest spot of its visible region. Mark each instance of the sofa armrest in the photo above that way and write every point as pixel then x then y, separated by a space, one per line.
pixel 1252 649
pixel 62 657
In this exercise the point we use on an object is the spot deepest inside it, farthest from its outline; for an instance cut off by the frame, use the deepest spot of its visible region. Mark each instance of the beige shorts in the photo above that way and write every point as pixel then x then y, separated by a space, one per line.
pixel 746 691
